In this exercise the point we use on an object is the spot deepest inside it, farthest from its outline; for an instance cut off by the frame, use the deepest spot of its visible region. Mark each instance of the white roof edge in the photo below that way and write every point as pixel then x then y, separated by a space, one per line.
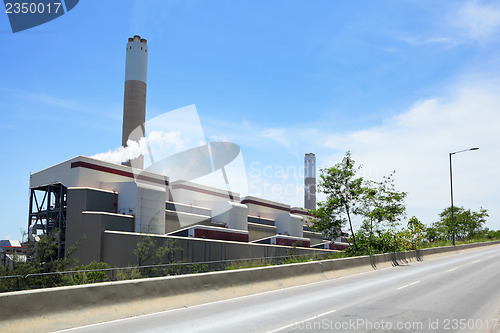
pixel 204 187
pixel 89 188
pixel 104 213
pixel 275 203
pixel 106 164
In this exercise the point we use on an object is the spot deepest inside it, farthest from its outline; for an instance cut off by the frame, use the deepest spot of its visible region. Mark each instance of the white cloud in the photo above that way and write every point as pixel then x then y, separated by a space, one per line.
pixel 219 138
pixel 419 41
pixel 278 135
pixel 416 144
pixel 471 22
pixel 480 22
pixel 45 99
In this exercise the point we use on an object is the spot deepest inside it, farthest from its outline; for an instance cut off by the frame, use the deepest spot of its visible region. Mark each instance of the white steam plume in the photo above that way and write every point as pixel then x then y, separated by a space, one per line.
pixel 135 149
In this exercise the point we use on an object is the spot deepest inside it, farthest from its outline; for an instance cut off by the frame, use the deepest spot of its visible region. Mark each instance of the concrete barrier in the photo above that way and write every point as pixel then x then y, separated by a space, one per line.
pixel 52 309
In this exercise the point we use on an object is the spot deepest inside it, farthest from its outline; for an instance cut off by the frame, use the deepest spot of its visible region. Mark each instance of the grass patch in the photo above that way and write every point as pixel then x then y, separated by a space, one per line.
pixel 292 259
pixel 440 243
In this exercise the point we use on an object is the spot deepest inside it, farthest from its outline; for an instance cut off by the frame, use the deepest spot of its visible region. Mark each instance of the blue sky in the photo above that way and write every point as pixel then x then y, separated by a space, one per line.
pixel 398 83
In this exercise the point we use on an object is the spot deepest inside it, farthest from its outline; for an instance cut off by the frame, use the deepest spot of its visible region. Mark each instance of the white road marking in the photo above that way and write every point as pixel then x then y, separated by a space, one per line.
pixel 451 270
pixel 219 301
pixel 302 321
pixel 476 261
pixel 411 284
pixel 246 296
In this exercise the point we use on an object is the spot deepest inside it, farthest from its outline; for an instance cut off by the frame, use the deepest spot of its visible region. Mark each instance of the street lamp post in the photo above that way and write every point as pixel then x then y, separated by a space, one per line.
pixel 451 191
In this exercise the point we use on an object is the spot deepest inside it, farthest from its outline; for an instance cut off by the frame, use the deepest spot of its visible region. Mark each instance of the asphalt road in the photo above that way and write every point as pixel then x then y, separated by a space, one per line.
pixel 457 293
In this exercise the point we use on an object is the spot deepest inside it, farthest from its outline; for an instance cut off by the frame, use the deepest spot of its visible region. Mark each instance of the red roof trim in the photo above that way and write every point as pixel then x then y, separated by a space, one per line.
pixel 265 204
pixel 81 164
pixel 200 190
pixel 294 211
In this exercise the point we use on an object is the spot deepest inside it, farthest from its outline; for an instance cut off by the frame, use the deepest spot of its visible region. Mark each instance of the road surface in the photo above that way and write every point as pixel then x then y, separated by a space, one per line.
pixel 456 293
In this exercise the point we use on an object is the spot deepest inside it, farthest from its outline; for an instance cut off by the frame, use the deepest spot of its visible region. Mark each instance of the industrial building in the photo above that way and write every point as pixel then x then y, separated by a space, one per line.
pixel 11 251
pixel 105 207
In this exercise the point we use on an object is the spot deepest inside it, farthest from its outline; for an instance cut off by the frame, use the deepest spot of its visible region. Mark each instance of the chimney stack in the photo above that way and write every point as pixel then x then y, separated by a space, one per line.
pixel 310 181
pixel 134 104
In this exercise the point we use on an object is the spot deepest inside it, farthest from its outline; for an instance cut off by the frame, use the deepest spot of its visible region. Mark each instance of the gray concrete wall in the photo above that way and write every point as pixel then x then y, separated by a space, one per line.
pixel 52 309
pixel 259 231
pixel 315 237
pixel 82 199
pixel 118 247
pixel 93 225
pixel 91 212
pixel 172 222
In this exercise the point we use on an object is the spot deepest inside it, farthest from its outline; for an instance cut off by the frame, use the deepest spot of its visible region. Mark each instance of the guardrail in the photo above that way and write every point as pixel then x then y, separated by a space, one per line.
pixel 12 282
pixel 47 310
pixel 77 277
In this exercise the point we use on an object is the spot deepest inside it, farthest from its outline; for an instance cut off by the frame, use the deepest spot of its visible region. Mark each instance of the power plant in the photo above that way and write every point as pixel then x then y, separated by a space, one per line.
pixel 105 207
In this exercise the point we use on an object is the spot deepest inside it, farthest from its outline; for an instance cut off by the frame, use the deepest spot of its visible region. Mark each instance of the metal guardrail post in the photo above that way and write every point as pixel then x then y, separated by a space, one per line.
pixel 18 278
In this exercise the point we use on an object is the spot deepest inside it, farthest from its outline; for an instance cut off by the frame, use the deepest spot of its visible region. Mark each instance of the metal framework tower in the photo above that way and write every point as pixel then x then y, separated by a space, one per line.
pixel 47 212
pixel 310 181
pixel 134 103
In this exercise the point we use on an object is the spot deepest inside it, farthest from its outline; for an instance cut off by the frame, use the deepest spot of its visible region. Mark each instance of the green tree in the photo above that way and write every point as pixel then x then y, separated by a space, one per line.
pixel 149 252
pixel 343 192
pixel 382 206
pixel 42 258
pixel 96 276
pixel 413 235
pixel 380 241
pixel 432 234
pixel 492 234
pixel 378 203
pixel 468 223
pixel 41 252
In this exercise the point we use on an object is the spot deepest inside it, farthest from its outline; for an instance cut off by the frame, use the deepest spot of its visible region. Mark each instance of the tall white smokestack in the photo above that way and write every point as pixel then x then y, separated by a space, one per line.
pixel 134 104
pixel 310 181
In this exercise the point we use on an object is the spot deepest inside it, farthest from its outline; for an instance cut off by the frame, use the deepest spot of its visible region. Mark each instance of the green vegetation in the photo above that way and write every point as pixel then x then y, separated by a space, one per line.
pixel 42 261
pixel 288 259
pixel 43 269
pixel 469 228
pixel 95 275
pixel 249 264
pixel 344 193
pixel 149 252
pixel 382 209
pixel 379 204
pixel 468 224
